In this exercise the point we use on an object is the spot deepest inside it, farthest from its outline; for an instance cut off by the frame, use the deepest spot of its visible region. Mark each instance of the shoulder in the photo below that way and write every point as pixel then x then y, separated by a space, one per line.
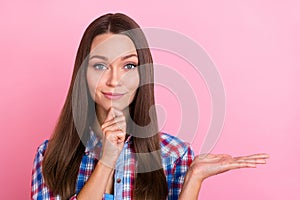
pixel 39 156
pixel 42 147
pixel 172 146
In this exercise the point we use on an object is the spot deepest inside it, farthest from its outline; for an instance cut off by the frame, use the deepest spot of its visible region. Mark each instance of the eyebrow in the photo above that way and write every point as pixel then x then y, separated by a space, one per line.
pixel 101 57
pixel 106 59
pixel 128 56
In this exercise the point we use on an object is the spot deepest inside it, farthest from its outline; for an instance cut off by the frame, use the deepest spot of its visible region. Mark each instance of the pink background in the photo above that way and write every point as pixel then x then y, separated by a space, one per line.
pixel 254 44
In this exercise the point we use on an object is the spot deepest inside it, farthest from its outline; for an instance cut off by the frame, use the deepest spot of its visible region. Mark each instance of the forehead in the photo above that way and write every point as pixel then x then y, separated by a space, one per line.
pixel 112 45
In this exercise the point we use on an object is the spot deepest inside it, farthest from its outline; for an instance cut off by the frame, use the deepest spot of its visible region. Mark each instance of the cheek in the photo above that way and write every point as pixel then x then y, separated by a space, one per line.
pixel 133 81
pixel 93 81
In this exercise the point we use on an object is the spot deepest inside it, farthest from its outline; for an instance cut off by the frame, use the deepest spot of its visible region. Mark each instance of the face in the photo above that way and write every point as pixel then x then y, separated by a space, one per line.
pixel 112 73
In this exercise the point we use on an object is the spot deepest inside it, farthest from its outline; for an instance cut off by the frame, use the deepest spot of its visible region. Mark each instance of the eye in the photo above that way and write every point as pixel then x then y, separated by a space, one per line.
pixel 130 66
pixel 100 66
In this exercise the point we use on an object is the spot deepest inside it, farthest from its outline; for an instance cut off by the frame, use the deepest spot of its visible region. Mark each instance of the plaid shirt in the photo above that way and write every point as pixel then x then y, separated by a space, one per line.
pixel 176 158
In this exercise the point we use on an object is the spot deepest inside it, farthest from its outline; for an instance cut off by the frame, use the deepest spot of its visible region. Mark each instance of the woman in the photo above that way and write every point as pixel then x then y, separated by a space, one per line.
pixel 106 143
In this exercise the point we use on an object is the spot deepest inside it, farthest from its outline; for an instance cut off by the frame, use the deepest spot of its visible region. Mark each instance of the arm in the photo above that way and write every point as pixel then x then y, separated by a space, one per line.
pixel 39 190
pixel 113 136
pixel 190 188
pixel 96 185
pixel 204 166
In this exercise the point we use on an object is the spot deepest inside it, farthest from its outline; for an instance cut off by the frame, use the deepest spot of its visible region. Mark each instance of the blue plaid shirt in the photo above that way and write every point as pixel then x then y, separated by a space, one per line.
pixel 176 158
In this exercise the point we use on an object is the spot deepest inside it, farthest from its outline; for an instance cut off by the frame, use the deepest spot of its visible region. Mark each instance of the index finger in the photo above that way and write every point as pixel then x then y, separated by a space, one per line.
pixel 255 156
pixel 112 113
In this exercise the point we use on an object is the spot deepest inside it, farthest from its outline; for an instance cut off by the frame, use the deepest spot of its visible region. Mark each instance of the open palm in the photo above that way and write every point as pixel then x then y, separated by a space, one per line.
pixel 204 166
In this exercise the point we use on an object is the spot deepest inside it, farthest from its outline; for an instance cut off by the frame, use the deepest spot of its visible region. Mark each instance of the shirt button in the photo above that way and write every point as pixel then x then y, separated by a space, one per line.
pixel 118 180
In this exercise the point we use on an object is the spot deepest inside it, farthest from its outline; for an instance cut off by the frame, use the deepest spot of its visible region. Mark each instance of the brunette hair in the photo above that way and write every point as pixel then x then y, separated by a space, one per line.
pixel 66 145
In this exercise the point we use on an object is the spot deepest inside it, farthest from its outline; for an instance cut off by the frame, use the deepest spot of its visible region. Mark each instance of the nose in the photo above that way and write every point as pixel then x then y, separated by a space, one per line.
pixel 113 79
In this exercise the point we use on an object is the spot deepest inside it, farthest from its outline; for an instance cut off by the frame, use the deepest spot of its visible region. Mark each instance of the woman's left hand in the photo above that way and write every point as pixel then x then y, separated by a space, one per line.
pixel 204 166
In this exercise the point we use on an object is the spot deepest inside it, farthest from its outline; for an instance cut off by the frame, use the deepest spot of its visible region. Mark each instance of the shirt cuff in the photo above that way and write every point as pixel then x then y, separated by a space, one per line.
pixel 74 197
pixel 108 197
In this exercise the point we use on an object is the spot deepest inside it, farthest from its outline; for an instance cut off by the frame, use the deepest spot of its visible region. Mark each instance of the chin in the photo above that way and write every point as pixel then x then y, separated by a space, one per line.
pixel 115 105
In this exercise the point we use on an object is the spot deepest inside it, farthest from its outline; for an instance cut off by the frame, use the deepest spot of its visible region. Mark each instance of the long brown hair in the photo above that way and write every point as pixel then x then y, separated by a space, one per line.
pixel 66 146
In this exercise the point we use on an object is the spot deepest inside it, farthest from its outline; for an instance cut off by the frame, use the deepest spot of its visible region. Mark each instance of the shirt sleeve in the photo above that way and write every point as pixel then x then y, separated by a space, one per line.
pixel 181 166
pixel 39 190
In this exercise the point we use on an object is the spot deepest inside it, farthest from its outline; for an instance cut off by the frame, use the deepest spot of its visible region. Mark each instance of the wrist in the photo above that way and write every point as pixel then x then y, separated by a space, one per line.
pixel 193 179
pixel 107 162
pixel 194 176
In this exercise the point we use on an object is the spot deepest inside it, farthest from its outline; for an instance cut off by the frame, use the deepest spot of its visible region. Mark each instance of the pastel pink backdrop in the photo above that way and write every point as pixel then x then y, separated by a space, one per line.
pixel 255 45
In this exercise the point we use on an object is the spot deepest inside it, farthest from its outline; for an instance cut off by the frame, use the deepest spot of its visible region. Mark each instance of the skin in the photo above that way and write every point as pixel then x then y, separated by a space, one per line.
pixel 204 166
pixel 116 74
pixel 110 69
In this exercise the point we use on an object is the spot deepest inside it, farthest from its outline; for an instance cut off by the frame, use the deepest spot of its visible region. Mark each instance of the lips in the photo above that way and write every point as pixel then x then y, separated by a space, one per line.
pixel 112 96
